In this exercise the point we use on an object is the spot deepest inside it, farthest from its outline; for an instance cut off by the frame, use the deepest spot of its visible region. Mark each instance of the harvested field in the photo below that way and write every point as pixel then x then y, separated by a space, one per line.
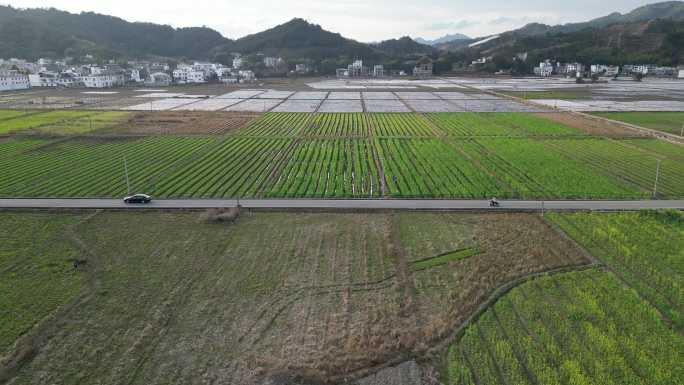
pixel 594 127
pixel 183 123
pixel 279 297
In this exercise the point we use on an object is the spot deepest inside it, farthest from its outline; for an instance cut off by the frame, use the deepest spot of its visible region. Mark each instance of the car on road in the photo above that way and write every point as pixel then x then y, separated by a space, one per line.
pixel 138 198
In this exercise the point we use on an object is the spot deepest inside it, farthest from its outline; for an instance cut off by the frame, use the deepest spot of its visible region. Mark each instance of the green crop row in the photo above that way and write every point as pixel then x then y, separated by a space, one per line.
pixel 630 167
pixel 645 249
pixel 277 124
pixel 671 122
pixel 92 168
pixel 576 328
pixel 236 167
pixel 429 167
pixel 499 125
pixel 404 125
pixel 246 166
pixel 329 168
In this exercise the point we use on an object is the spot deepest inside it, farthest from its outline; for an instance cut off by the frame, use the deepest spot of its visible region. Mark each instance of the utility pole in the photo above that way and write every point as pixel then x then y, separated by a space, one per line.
pixel 655 187
pixel 542 208
pixel 682 133
pixel 128 183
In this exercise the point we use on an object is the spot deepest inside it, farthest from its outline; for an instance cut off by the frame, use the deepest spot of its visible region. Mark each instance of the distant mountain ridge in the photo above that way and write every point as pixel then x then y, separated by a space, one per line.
pixel 443 39
pixel 651 34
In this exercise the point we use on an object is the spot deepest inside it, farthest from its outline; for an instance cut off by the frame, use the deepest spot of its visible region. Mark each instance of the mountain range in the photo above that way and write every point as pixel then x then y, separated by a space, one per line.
pixel 650 34
pixel 443 40
pixel 653 32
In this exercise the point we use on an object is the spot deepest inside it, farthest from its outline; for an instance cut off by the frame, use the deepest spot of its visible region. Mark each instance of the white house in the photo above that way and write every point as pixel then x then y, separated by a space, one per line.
pixel 272 62
pixel 378 71
pixel 237 62
pixel 187 75
pixel 247 76
pixel 159 79
pixel 13 80
pixel 103 80
pixel 43 79
pixel 544 70
pixel 681 73
pixel 604 70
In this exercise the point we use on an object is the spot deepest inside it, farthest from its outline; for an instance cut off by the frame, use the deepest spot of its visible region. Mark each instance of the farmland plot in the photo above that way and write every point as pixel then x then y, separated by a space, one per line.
pixel 576 328
pixel 37 120
pixel 633 168
pixel 277 124
pixel 379 106
pixel 429 167
pixel 172 298
pixel 670 122
pixel 92 167
pixel 645 250
pixel 36 273
pixel 532 170
pixel 328 168
pixel 234 167
pixel 338 125
pixel 400 125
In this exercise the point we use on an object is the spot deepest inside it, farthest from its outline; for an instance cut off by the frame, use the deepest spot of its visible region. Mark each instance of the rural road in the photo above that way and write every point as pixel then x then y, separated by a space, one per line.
pixel 341 204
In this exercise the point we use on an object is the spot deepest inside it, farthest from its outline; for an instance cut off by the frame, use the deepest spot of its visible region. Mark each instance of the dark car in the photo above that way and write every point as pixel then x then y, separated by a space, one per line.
pixel 138 198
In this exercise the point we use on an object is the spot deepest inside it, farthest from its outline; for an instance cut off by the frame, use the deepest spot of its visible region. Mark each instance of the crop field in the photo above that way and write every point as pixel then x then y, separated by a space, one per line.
pixel 627 166
pixel 430 167
pixel 230 167
pixel 88 167
pixel 345 155
pixel 328 168
pixel 575 328
pixel 278 124
pixel 501 124
pixel 618 325
pixel 174 297
pixel 671 122
pixel 36 274
pixel 59 122
pixel 645 250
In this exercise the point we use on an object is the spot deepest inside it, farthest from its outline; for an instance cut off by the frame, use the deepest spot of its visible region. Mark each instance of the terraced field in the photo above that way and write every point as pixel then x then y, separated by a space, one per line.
pixel 461 155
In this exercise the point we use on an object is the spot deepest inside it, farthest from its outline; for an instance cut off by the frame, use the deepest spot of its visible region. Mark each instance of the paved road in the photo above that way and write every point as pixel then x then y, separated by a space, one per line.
pixel 342 204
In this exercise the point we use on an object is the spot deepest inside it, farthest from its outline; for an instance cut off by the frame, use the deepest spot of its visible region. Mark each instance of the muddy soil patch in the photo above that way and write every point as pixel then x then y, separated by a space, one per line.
pixel 595 127
pixel 183 123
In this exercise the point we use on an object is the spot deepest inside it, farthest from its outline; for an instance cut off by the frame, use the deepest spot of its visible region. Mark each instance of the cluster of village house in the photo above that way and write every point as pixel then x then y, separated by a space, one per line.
pixel 17 74
pixel 423 68
pixel 549 68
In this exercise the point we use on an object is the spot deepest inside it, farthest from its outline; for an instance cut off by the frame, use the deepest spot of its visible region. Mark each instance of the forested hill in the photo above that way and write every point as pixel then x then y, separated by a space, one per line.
pixel 34 33
pixel 650 34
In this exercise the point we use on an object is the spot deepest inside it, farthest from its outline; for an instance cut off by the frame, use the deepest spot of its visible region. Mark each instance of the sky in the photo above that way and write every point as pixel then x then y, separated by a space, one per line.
pixel 363 20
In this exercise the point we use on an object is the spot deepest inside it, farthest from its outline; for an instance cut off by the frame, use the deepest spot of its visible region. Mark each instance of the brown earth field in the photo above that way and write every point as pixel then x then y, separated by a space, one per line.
pixel 181 123
pixel 592 126
pixel 276 298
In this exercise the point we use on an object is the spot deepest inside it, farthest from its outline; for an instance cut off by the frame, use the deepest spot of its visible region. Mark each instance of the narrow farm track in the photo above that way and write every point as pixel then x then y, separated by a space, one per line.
pixel 346 204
